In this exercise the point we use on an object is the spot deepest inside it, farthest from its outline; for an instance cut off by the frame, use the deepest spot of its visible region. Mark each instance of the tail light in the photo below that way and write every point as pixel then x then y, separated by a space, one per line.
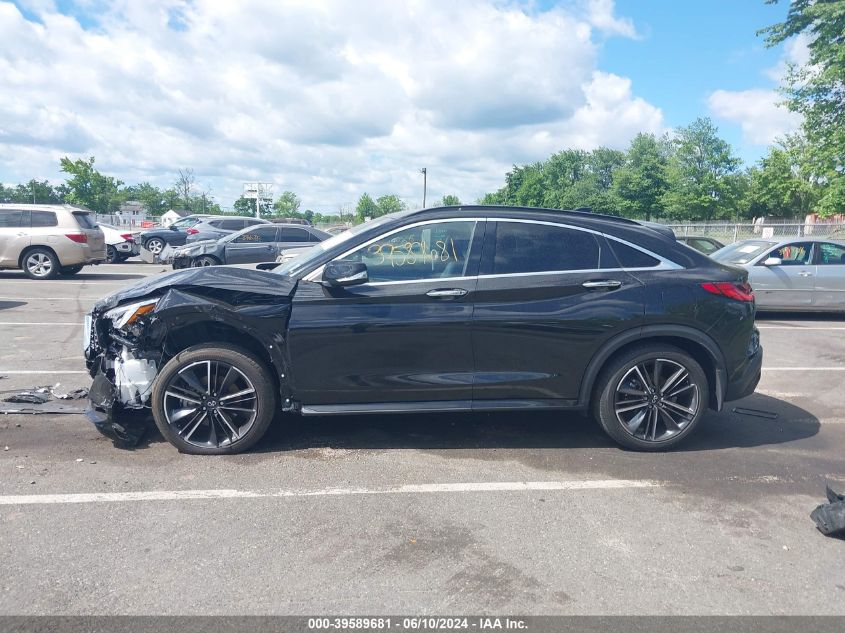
pixel 79 238
pixel 736 290
pixel 192 231
pixel 127 237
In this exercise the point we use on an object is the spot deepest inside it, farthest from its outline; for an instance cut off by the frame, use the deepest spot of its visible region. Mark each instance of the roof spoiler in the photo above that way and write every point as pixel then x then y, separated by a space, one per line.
pixel 660 228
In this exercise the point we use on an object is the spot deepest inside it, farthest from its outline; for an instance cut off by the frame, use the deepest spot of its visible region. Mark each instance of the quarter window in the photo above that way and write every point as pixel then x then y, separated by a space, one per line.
pixel 631 257
pixel 831 254
pixel 425 251
pixel 44 218
pixel 530 248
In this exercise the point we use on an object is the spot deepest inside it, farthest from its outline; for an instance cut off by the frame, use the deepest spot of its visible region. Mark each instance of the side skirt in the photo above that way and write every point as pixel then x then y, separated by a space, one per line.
pixel 438 406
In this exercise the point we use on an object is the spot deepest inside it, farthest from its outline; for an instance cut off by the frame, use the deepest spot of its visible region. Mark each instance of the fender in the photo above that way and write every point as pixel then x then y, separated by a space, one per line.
pixel 598 361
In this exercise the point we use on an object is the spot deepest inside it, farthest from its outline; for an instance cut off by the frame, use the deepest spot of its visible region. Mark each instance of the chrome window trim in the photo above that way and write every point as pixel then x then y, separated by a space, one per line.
pixel 664 263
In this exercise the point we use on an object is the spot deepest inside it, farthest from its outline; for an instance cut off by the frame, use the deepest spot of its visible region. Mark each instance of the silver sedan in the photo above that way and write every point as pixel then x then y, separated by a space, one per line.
pixel 802 273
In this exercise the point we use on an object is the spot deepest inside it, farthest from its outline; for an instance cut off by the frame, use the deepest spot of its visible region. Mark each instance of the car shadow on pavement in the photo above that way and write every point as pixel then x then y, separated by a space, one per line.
pixel 515 430
pixel 8 305
pixel 82 276
pixel 800 317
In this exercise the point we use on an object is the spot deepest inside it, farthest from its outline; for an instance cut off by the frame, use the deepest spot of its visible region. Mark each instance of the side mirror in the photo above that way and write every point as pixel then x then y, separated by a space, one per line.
pixel 773 261
pixel 339 274
pixel 173 228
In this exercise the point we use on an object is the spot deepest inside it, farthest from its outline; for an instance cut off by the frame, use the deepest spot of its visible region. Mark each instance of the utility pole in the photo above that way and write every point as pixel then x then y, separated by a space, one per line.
pixel 424 172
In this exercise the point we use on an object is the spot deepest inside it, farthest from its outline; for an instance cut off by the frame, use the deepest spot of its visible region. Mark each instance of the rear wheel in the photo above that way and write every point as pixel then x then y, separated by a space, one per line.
pixel 40 263
pixel 112 255
pixel 651 398
pixel 155 245
pixel 213 399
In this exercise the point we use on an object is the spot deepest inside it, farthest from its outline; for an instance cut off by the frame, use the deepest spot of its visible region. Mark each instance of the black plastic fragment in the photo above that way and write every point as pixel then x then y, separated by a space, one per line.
pixel 830 517
pixel 28 397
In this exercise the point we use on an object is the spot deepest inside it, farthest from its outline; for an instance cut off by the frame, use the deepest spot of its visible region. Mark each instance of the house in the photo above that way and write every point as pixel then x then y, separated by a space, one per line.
pixel 171 216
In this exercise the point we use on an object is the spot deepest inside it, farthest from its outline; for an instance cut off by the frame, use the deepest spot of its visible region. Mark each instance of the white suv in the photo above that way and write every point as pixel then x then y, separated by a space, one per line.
pixel 47 240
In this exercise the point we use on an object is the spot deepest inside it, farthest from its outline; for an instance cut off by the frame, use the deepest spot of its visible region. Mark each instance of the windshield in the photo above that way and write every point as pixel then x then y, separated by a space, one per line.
pixel 302 262
pixel 741 252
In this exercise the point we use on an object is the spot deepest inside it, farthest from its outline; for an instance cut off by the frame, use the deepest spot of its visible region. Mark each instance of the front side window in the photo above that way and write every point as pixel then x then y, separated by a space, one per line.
pixel 425 251
pixel 522 247
pixel 797 254
pixel 831 254
pixel 261 235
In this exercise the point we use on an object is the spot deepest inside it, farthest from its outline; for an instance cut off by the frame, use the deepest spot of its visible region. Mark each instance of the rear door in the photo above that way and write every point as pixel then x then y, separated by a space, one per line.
pixel 255 245
pixel 788 285
pixel 548 296
pixel 829 287
pixel 14 235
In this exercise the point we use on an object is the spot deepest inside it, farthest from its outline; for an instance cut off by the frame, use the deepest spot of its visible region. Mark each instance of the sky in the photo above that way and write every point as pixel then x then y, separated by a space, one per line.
pixel 333 98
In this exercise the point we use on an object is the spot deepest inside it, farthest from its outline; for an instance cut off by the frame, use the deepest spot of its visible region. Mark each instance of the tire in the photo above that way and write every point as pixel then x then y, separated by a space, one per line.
pixel 41 263
pixel 112 255
pixel 155 245
pixel 638 416
pixel 210 428
pixel 205 260
pixel 71 270
pixel 122 258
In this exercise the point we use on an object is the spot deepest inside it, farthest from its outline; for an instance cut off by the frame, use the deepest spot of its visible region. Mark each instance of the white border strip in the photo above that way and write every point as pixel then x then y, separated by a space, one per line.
pixel 181 495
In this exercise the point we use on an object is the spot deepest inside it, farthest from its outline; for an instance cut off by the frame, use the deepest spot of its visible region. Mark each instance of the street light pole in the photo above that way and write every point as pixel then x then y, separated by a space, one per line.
pixel 424 172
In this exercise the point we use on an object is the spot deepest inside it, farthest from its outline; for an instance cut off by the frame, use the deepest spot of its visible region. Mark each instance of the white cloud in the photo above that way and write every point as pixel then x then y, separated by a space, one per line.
pixel 328 98
pixel 759 113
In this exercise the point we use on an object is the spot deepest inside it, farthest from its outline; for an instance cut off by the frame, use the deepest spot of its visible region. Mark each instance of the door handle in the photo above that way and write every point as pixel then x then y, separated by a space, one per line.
pixel 604 283
pixel 804 273
pixel 446 292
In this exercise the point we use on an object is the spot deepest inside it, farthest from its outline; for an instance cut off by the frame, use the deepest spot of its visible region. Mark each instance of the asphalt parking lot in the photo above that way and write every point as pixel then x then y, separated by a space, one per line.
pixel 426 514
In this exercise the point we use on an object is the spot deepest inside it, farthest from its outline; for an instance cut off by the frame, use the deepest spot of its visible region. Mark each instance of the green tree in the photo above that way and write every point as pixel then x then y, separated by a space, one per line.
pixel 366 208
pixel 389 204
pixel 817 90
pixel 88 187
pixel 640 182
pixel 701 174
pixel 780 184
pixel 244 206
pixel 155 201
pixel 287 205
pixel 449 200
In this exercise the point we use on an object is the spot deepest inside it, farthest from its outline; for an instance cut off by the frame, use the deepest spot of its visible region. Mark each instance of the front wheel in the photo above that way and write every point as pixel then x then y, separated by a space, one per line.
pixel 650 398
pixel 213 399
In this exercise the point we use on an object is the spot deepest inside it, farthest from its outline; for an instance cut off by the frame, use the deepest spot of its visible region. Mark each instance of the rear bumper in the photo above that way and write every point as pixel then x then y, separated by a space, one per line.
pixel 743 381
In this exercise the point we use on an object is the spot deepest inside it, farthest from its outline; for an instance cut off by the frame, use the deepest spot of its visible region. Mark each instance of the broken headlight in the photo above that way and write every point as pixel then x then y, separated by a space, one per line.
pixel 124 315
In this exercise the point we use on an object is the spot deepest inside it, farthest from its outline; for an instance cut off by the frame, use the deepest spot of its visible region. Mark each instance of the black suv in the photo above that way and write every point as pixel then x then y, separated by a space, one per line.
pixel 468 308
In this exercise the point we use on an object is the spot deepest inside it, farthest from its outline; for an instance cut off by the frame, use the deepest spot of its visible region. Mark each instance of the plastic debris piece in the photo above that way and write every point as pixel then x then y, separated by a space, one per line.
pixel 74 394
pixel 830 517
pixel 28 397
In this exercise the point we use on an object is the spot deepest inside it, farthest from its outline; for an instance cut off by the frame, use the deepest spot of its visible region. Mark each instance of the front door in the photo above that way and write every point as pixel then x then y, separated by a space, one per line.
pixel 255 245
pixel 404 336
pixel 790 283
pixel 548 296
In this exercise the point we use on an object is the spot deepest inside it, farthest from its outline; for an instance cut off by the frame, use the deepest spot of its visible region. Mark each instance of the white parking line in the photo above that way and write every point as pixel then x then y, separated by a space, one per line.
pixel 180 495
pixel 803 368
pixel 97 298
pixel 796 328
pixel 54 323
pixel 13 372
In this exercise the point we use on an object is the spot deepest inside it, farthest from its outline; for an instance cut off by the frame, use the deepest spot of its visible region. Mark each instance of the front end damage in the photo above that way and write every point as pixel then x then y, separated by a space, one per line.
pixel 129 336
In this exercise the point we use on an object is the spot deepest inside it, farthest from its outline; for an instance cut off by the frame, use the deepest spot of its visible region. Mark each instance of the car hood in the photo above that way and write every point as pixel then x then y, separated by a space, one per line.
pixel 228 284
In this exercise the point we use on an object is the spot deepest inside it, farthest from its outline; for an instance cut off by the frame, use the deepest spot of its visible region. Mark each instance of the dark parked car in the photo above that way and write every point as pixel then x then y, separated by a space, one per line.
pixel 452 309
pixel 216 227
pixel 704 245
pixel 154 240
pixel 252 245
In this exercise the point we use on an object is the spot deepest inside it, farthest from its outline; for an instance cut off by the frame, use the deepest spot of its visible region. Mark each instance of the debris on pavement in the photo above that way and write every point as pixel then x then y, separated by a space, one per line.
pixel 75 394
pixel 830 517
pixel 28 397
pixel 769 415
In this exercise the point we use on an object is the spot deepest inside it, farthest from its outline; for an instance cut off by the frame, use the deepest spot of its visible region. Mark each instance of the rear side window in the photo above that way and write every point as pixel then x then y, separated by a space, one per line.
pixel 294 235
pixel 44 218
pixel 253 222
pixel 13 218
pixel 231 225
pixel 84 220
pixel 530 248
pixel 831 254
pixel 631 257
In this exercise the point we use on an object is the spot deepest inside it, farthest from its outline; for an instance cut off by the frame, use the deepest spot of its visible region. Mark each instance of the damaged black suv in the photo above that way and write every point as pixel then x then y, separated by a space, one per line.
pixel 453 309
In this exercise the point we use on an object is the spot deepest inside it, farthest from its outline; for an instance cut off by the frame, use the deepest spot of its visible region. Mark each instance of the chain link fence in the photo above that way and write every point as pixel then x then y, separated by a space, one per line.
pixel 728 233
